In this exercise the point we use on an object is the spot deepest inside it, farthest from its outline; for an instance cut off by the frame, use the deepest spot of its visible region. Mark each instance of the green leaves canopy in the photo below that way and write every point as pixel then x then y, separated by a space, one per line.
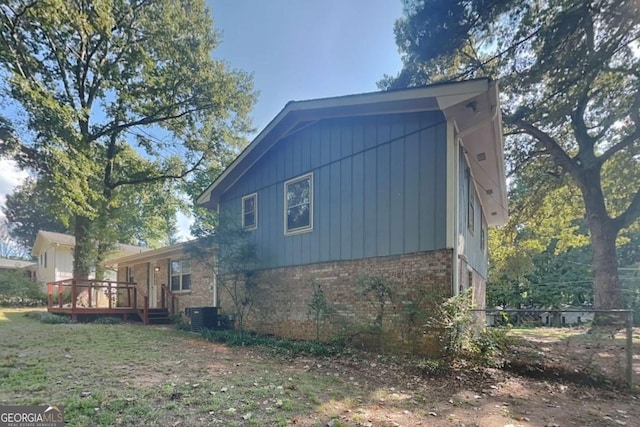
pixel 85 81
pixel 569 72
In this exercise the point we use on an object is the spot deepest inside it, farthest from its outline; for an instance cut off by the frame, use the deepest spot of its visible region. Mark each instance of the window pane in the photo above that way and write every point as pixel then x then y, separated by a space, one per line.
pixel 298 193
pixel 298 217
pixel 186 266
pixel 175 283
pixel 250 204
pixel 186 282
pixel 175 267
pixel 249 219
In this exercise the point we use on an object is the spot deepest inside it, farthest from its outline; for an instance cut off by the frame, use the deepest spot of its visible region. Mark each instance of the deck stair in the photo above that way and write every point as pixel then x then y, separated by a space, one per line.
pixel 159 316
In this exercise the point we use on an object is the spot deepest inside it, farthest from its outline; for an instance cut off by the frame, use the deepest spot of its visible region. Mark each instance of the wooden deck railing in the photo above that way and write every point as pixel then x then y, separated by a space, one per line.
pixel 77 295
pixel 165 295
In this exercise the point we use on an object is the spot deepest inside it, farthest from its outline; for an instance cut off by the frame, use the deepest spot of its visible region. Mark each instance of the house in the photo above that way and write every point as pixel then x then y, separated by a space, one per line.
pixel 54 254
pixel 169 273
pixel 29 267
pixel 568 315
pixel 399 184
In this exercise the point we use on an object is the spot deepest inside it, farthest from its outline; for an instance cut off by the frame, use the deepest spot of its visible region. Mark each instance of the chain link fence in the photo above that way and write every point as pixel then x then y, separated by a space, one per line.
pixel 581 344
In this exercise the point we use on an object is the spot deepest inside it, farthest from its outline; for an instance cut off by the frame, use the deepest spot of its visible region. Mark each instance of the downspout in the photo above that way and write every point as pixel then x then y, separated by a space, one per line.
pixel 452 202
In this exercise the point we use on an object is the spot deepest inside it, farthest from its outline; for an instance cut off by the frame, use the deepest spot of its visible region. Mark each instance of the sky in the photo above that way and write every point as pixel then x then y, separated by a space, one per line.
pixel 295 50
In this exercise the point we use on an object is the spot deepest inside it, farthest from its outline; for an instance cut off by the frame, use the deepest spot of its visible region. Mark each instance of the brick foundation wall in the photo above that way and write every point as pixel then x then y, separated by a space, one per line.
pixel 418 282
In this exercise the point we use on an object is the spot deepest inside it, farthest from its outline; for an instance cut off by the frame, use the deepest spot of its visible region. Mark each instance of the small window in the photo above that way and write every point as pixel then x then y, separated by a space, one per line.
pixel 298 202
pixel 129 275
pixel 45 260
pixel 250 211
pixel 180 275
pixel 483 238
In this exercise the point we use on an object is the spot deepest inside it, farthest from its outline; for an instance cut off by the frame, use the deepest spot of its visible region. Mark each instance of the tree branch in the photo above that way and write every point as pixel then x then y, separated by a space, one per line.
pixel 630 215
pixel 148 120
pixel 524 162
pixel 629 139
pixel 560 157
pixel 149 179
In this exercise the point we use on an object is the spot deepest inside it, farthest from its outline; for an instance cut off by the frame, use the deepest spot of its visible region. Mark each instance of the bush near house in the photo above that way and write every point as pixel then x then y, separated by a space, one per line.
pixel 17 290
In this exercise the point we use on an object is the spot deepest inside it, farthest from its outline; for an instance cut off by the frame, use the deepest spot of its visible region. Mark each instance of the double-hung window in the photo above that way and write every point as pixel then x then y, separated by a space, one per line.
pixel 180 275
pixel 298 204
pixel 250 211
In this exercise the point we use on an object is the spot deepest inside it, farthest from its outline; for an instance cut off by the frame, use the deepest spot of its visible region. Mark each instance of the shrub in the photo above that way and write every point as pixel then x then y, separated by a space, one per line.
pixel 108 320
pixel 181 322
pixel 17 290
pixel 53 319
pixel 490 346
pixel 36 315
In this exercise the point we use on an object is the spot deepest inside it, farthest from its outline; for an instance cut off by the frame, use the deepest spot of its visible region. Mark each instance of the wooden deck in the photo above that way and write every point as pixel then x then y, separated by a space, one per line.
pixel 94 298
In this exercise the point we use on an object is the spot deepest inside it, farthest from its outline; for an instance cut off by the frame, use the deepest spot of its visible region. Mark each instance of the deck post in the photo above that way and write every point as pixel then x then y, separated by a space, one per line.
pixel 109 283
pixel 135 298
pixel 89 292
pixel 146 310
pixel 74 296
pixel 60 296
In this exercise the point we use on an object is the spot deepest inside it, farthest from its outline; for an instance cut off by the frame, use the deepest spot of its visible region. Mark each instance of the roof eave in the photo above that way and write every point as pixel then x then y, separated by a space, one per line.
pixel 434 97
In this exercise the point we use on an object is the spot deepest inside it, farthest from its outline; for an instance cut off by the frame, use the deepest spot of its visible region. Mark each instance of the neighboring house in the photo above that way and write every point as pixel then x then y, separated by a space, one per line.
pixel 188 278
pixel 29 267
pixel 401 184
pixel 568 315
pixel 54 254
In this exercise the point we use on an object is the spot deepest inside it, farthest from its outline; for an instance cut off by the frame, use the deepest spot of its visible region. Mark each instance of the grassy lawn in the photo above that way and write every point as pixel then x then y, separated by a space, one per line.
pixel 132 375
pixel 135 375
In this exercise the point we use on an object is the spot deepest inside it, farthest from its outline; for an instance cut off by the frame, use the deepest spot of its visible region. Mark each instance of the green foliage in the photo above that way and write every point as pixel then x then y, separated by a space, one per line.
pixel 277 345
pixel 115 95
pixel 54 319
pixel 490 347
pixel 108 320
pixel 30 208
pixel 181 322
pixel 318 308
pixel 568 74
pixel 35 315
pixel 452 320
pixel 16 289
pixel 378 292
pixel 224 248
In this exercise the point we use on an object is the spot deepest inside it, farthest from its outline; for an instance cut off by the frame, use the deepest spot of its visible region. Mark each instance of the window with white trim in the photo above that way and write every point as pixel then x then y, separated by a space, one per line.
pixel 180 275
pixel 298 204
pixel 250 211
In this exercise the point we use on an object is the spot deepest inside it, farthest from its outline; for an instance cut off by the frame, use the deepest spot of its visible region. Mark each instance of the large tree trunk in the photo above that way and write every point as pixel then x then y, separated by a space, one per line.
pixel 605 264
pixel 82 254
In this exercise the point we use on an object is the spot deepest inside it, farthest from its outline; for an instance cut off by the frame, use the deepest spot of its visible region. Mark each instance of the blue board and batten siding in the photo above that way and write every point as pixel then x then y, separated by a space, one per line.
pixel 474 250
pixel 379 185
